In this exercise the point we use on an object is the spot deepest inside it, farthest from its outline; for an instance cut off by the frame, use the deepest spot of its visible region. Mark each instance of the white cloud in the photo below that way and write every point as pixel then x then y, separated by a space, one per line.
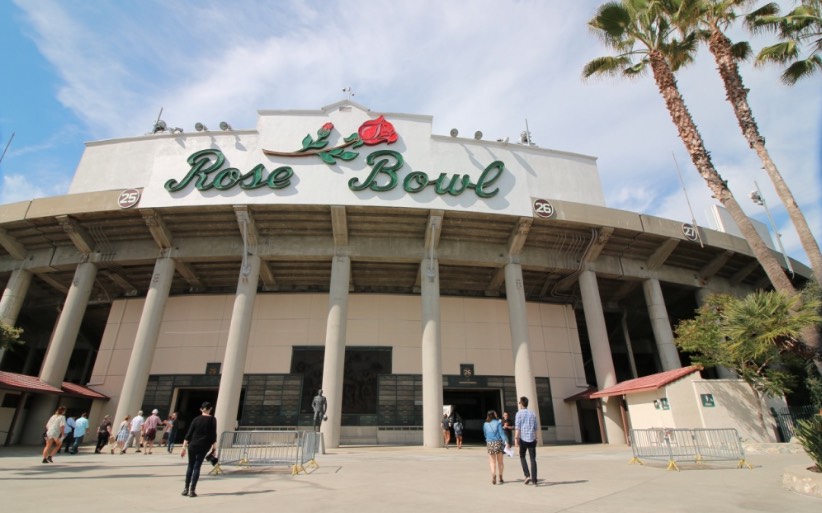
pixel 479 65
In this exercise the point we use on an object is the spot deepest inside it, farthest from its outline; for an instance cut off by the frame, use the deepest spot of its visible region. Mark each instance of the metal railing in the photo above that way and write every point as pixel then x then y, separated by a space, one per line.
pixel 293 449
pixel 697 445
pixel 786 419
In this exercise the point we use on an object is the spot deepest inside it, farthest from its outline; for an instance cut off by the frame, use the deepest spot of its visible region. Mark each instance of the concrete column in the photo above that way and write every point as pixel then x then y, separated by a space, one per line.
pixel 236 349
pixel 431 354
pixel 518 324
pixel 59 351
pixel 13 296
pixel 145 341
pixel 334 361
pixel 601 354
pixel 661 324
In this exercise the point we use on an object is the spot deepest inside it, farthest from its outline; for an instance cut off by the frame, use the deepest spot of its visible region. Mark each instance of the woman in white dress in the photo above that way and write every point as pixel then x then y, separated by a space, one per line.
pixel 55 429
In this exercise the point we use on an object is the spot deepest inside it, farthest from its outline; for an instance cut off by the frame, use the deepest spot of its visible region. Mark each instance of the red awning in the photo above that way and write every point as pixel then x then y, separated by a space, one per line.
pixel 23 383
pixel 585 394
pixel 646 383
pixel 34 385
pixel 76 390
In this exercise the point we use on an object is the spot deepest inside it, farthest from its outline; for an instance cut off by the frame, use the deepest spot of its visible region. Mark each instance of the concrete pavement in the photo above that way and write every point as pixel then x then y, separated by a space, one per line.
pixel 573 479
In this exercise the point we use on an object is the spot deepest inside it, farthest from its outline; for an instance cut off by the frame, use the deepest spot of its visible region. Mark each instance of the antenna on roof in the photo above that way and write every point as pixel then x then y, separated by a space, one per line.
pixel 525 137
pixel 349 91
pixel 7 146
pixel 691 210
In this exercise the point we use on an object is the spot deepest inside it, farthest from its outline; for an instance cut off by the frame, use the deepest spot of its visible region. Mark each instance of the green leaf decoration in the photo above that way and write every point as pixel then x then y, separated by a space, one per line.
pixel 319 144
pixel 308 141
pixel 357 144
pixel 328 159
pixel 351 137
pixel 348 155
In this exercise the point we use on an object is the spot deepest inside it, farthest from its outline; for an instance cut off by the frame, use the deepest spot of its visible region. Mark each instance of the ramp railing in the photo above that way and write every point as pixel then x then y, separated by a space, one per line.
pixel 697 445
pixel 293 449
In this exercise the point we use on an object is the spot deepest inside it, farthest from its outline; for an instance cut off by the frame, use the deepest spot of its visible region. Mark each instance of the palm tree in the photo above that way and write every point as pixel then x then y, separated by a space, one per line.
pixel 711 18
pixel 639 30
pixel 800 27
pixel 642 34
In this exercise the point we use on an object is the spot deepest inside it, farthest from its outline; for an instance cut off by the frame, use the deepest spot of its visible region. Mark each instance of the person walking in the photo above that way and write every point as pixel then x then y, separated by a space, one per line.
pixel 495 442
pixel 508 429
pixel 55 429
pixel 446 429
pixel 103 434
pixel 525 434
pixel 200 440
pixel 150 430
pixel 122 434
pixel 135 432
pixel 68 437
pixel 171 432
pixel 458 427
pixel 80 428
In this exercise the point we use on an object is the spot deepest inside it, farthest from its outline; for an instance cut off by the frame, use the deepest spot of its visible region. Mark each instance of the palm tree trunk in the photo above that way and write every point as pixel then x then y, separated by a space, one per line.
pixel 720 47
pixel 688 132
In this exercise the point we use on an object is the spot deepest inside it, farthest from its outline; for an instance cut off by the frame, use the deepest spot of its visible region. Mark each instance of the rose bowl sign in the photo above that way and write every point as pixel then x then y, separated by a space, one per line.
pixel 208 168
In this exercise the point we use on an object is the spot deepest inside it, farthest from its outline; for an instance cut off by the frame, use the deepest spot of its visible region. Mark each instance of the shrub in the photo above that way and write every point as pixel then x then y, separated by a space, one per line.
pixel 809 434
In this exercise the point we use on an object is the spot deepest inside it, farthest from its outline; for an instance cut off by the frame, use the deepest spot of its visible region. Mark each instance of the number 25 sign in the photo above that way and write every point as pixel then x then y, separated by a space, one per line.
pixel 128 198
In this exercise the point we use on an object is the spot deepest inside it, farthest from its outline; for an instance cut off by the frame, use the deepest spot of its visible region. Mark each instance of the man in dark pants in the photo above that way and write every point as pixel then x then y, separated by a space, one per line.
pixel 526 439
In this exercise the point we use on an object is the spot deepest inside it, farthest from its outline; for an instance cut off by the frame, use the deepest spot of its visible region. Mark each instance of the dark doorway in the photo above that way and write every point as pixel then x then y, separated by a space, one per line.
pixel 472 405
pixel 188 405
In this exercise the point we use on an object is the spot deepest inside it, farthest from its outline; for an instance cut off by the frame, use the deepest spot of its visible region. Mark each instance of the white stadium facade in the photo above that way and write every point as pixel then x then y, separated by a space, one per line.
pixel 350 251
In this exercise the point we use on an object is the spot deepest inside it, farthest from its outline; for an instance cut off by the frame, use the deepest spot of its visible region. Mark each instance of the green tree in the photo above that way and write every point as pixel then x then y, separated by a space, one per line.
pixel 800 31
pixel 752 336
pixel 711 19
pixel 9 336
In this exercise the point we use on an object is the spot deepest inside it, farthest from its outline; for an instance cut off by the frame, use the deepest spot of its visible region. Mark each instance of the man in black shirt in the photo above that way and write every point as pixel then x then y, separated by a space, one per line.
pixel 200 440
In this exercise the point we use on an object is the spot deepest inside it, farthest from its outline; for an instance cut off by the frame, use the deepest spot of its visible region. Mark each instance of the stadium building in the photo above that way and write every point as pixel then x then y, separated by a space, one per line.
pixel 399 271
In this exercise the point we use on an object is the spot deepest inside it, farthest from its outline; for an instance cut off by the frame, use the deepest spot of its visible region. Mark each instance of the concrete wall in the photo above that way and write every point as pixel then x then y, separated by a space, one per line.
pixel 474 330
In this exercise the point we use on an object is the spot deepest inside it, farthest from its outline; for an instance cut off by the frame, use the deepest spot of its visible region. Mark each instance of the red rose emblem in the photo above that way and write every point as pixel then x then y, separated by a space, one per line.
pixel 325 130
pixel 376 131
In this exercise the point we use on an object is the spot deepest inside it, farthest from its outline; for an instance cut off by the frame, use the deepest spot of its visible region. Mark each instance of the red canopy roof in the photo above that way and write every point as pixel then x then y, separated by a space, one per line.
pixel 23 383
pixel 646 383
pixel 33 384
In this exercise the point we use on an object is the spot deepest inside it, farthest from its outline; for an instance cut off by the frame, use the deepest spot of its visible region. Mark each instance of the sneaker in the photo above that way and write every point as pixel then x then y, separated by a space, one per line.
pixel 534 482
pixel 192 494
pixel 185 491
pixel 45 460
pixel 138 450
pixel 527 480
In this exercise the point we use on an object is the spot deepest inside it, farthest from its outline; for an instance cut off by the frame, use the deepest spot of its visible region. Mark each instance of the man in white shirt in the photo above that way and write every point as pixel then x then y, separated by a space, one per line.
pixel 135 432
pixel 150 430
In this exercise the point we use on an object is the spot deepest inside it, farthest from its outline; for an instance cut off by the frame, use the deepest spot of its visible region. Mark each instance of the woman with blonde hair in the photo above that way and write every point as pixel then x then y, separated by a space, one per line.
pixel 122 434
pixel 55 429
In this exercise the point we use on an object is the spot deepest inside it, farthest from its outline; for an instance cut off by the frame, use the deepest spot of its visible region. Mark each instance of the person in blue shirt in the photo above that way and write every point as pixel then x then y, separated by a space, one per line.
pixel 495 441
pixel 69 438
pixel 80 428
pixel 526 439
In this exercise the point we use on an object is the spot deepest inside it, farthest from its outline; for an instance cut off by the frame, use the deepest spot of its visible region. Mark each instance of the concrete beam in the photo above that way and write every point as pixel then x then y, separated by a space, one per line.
pixel 128 288
pixel 54 283
pixel 711 268
pixel 744 272
pixel 245 217
pixel 516 241
pixel 658 258
pixel 78 235
pixel 188 274
pixel 10 244
pixel 339 223
pixel 159 231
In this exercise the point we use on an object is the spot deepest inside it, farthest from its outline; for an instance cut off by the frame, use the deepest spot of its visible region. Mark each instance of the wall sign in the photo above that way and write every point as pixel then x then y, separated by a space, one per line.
pixel 707 400
pixel 543 208
pixel 690 232
pixel 207 167
pixel 128 198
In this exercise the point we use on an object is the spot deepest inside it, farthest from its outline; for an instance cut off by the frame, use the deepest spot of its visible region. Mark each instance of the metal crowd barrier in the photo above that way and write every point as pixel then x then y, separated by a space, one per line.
pixel 294 449
pixel 697 445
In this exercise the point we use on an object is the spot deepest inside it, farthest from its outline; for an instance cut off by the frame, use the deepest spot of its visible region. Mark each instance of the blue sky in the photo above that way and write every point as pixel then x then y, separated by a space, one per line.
pixel 85 70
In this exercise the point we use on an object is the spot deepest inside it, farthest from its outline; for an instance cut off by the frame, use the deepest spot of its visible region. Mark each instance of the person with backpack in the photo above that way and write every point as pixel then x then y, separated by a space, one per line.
pixel 458 427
